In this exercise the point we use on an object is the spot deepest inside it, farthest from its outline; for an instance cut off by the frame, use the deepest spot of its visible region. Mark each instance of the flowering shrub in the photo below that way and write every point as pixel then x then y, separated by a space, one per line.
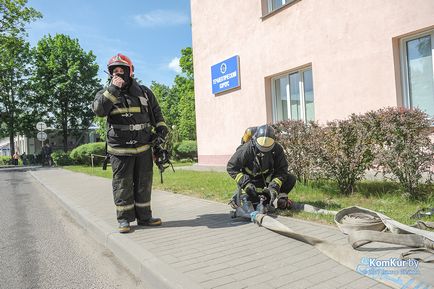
pixel 300 142
pixel 402 146
pixel 395 141
pixel 345 153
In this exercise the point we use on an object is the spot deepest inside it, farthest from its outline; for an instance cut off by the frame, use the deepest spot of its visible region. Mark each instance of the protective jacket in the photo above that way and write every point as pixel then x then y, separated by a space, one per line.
pixel 129 119
pixel 249 165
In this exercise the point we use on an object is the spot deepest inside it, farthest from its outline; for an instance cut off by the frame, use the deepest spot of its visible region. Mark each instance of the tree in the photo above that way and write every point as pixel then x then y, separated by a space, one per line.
pixel 65 82
pixel 168 100
pixel 184 88
pixel 14 67
pixel 101 123
pixel 14 75
pixel 177 102
pixel 14 15
pixel 186 62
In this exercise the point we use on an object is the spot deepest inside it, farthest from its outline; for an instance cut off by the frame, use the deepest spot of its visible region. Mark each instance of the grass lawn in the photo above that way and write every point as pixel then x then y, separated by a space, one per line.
pixel 218 186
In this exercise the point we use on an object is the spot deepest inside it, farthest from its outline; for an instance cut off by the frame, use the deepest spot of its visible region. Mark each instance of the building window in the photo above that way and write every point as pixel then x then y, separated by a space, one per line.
pixel 276 4
pixel 293 96
pixel 417 68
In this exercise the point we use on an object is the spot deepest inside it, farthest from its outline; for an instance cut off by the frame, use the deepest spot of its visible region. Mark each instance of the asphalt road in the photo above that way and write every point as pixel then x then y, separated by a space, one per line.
pixel 42 247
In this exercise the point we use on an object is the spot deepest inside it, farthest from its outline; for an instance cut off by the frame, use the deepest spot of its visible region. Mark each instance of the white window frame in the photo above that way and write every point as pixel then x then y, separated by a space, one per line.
pixel 288 96
pixel 270 5
pixel 404 64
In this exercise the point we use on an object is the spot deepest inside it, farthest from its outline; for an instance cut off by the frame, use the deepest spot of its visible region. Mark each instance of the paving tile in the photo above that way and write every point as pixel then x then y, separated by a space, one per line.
pixel 200 239
pixel 218 282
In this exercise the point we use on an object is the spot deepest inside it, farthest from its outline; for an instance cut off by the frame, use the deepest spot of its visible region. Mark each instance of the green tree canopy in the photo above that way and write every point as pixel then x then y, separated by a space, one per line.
pixel 65 82
pixel 184 88
pixel 168 100
pixel 177 102
pixel 101 123
pixel 186 62
pixel 14 15
pixel 15 67
pixel 15 91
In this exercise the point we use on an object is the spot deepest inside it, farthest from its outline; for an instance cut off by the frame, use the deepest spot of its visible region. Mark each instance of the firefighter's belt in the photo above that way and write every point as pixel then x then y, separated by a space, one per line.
pixel 118 151
pixel 131 127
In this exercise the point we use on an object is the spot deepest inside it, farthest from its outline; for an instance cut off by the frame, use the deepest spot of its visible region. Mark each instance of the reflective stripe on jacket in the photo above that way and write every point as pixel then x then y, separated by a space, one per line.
pixel 247 164
pixel 128 107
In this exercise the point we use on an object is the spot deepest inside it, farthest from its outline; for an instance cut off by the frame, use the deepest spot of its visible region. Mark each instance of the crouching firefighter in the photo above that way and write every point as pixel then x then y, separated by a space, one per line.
pixel 260 168
pixel 134 121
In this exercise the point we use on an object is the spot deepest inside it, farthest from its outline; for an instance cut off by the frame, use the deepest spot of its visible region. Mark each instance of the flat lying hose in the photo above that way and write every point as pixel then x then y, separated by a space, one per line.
pixel 311 209
pixel 359 238
pixel 424 225
pixel 364 226
pixel 344 254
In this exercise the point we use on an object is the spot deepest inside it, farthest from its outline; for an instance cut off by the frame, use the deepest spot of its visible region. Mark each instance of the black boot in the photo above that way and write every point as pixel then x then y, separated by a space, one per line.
pixel 151 222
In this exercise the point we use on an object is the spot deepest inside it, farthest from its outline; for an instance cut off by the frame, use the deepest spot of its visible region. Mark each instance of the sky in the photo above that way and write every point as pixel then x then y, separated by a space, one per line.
pixel 150 32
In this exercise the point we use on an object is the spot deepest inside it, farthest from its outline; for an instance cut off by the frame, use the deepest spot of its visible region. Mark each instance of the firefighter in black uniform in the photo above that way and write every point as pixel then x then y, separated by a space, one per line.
pixel 259 167
pixel 134 122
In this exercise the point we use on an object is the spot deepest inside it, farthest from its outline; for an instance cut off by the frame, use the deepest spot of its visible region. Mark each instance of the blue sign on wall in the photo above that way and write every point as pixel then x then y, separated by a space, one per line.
pixel 225 75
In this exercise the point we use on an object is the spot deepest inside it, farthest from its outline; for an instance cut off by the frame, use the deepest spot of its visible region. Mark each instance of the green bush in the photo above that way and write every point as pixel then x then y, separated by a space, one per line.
pixel 403 147
pixel 345 153
pixel 186 149
pixel 61 158
pixel 394 141
pixel 300 143
pixel 81 154
pixel 5 160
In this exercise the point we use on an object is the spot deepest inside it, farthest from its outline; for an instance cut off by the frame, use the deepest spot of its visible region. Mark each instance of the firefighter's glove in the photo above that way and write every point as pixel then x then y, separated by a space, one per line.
pixel 270 195
pixel 161 156
pixel 162 131
pixel 273 195
pixel 250 190
pixel 283 202
pixel 158 141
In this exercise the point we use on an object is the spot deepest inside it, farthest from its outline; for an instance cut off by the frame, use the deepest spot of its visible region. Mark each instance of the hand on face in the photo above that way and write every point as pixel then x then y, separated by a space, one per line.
pixel 117 80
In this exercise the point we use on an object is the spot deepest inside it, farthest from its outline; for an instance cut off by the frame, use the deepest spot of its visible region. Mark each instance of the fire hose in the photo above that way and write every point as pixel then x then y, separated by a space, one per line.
pixel 362 226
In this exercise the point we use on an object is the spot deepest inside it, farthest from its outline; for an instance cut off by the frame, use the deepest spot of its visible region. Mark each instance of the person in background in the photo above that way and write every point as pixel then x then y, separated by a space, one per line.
pixel 24 158
pixel 15 158
pixel 46 154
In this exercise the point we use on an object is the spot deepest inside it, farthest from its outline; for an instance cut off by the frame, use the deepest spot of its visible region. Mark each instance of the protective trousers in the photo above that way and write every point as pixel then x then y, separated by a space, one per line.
pixel 132 184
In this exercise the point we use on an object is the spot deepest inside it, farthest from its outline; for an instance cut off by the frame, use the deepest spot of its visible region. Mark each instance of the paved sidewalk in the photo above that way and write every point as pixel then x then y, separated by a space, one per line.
pixel 200 246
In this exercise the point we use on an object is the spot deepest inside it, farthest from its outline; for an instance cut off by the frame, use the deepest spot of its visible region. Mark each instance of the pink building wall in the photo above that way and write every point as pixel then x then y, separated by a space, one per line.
pixel 351 45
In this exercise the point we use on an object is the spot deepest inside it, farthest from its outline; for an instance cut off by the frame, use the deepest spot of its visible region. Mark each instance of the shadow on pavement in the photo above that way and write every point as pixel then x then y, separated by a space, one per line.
pixel 212 221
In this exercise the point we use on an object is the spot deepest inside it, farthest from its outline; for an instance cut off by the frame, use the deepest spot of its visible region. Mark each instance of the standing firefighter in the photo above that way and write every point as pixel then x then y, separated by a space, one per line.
pixel 133 114
pixel 259 167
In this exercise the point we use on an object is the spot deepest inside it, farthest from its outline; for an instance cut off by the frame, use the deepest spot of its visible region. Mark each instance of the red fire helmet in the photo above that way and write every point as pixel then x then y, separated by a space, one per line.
pixel 120 60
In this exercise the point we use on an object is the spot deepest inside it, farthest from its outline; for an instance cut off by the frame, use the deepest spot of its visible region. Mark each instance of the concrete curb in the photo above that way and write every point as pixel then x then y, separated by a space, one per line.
pixel 18 168
pixel 142 263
